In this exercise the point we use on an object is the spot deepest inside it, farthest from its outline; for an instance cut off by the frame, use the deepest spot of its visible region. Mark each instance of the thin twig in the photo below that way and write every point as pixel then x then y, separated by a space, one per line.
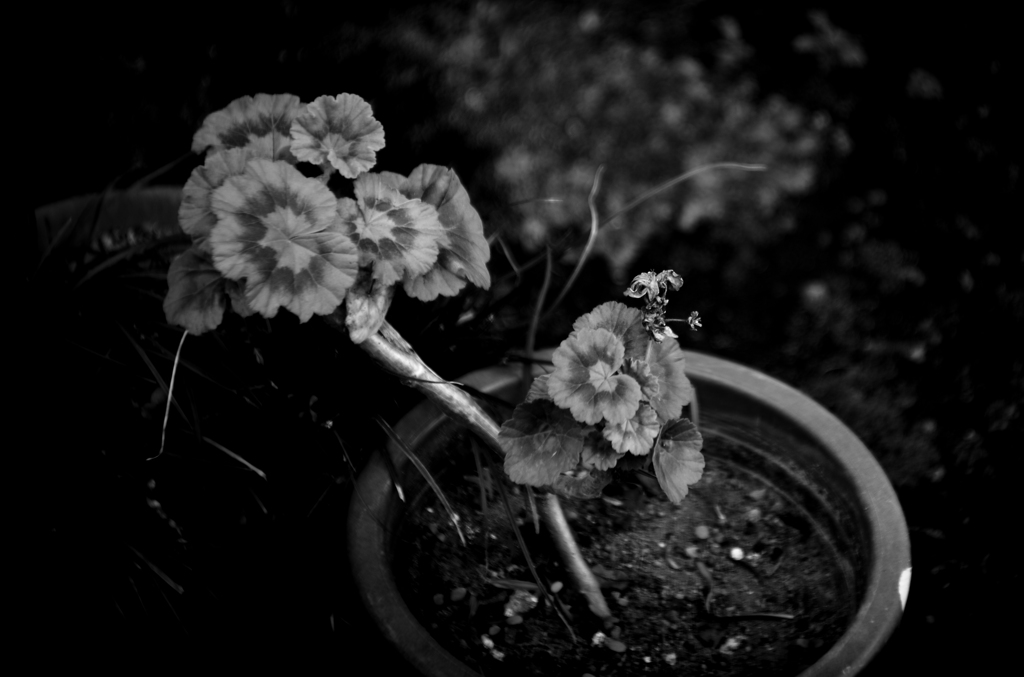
pixel 590 240
pixel 424 472
pixel 235 456
pixel 170 396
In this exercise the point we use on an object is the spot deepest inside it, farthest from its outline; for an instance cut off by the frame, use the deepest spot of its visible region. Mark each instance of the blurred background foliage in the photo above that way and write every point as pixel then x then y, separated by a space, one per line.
pixel 876 263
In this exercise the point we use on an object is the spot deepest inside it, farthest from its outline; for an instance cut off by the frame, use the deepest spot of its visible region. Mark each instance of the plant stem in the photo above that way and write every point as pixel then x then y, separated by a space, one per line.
pixel 393 352
pixel 565 541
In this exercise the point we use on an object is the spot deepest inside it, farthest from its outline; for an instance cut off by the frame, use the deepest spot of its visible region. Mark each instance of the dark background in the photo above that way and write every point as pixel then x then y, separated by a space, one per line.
pixel 889 288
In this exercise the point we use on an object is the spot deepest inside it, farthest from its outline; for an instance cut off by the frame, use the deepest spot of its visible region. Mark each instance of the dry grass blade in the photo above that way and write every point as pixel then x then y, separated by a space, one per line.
pixel 235 456
pixel 531 335
pixel 533 509
pixel 555 603
pixel 425 473
pixel 679 179
pixel 591 239
pixel 166 579
pixel 152 369
pixel 170 397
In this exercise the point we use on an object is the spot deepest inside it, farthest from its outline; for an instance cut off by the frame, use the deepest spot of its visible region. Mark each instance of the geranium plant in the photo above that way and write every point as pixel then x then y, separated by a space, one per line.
pixel 614 398
pixel 268 232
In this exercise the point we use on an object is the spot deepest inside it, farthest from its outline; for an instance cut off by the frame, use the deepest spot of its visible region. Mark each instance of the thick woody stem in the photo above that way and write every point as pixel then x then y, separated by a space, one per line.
pixel 565 541
pixel 392 351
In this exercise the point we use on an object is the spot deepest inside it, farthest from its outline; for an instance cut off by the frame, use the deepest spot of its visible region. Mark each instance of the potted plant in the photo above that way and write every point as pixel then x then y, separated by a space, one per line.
pixel 268 231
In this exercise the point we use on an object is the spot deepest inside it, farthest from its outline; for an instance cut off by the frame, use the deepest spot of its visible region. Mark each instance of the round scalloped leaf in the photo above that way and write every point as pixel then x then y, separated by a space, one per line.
pixel 678 462
pixel 277 230
pixel 621 320
pixel 585 380
pixel 674 389
pixel 540 442
pixel 466 253
pixel 196 294
pixel 641 371
pixel 399 236
pixel 261 123
pixel 636 435
pixel 195 215
pixel 340 129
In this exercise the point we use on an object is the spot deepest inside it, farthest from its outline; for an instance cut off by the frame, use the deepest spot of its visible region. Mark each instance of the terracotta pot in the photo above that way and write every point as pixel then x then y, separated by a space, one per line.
pixel 793 441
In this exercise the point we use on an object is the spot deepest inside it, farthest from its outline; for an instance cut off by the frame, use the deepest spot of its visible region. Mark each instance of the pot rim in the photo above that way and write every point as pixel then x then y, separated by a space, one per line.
pixel 888 578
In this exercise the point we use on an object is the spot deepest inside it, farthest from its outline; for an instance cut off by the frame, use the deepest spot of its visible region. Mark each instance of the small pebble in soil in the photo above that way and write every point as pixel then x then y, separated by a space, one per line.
pixel 670 658
pixel 753 515
pixel 493 630
pixel 458 594
pixel 702 532
pixel 730 645
pixel 692 551
pixel 515 620
pixel 736 554
pixel 556 586
pixel 439 599
pixel 487 642
pixel 598 638
pixel 615 645
pixel 757 494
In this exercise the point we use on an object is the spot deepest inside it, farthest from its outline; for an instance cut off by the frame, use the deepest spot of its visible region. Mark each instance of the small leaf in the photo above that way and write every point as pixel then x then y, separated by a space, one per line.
pixel 398 236
pixel 465 254
pixel 636 435
pixel 195 215
pixel 538 389
pixel 366 306
pixel 195 299
pixel 674 389
pixel 341 130
pixel 541 442
pixel 678 462
pixel 625 322
pixel 277 230
pixel 598 453
pixel 585 379
pixel 261 124
pixel 584 486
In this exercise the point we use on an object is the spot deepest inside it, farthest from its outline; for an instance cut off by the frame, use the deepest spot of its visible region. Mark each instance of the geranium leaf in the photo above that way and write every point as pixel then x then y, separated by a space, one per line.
pixel 262 124
pixel 597 453
pixel 585 380
pixel 585 486
pixel 398 236
pixel 636 435
pixel 366 306
pixel 277 229
pixel 625 322
pixel 195 215
pixel 236 292
pixel 195 298
pixel 465 254
pixel 641 371
pixel 674 389
pixel 341 130
pixel 540 442
pixel 538 389
pixel 678 462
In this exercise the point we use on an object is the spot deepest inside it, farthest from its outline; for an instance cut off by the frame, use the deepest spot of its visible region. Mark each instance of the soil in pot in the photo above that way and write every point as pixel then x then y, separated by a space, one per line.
pixel 739 579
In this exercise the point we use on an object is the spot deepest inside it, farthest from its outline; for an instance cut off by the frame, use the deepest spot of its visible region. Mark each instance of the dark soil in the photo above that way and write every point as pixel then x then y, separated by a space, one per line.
pixel 682 603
